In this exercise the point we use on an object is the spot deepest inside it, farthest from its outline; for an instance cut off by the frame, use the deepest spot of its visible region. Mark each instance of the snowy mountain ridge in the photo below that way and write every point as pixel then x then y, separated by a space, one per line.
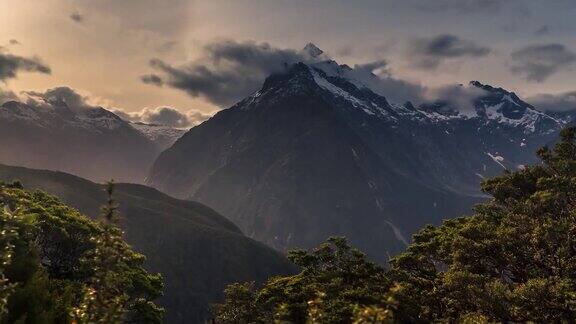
pixel 491 105
pixel 91 119
pixel 96 120
pixel 163 135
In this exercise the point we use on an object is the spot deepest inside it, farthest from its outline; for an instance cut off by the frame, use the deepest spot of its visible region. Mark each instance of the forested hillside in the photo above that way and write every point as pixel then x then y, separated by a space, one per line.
pixel 58 266
pixel 512 260
pixel 197 251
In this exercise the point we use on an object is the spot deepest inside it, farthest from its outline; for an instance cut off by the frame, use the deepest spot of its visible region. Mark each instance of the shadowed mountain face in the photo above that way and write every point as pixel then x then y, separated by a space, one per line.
pixel 197 250
pixel 92 142
pixel 316 153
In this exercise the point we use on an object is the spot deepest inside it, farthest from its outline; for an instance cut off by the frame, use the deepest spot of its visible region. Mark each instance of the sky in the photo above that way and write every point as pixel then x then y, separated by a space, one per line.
pixel 199 56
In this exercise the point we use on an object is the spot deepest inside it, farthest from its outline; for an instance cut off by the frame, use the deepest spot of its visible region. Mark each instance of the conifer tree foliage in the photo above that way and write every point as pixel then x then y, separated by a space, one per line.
pixel 512 260
pixel 335 278
pixel 60 267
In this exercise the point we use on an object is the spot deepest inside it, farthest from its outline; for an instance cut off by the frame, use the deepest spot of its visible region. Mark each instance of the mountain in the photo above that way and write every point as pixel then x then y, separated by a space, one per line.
pixel 315 152
pixel 567 117
pixel 161 135
pixel 197 250
pixel 92 142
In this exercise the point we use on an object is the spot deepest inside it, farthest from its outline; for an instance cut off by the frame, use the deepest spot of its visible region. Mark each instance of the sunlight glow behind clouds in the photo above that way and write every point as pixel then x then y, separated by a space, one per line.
pixel 110 50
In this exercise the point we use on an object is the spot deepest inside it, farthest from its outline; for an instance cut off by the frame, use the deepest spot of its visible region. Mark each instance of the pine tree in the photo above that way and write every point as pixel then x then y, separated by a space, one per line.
pixel 105 299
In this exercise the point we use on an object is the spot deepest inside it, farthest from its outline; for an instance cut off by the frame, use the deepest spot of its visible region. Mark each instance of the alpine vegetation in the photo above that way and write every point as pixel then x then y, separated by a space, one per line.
pixel 512 260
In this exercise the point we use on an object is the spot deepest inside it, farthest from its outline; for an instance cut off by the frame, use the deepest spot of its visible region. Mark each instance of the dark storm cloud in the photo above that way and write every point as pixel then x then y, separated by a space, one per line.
pixel 538 62
pixel 10 65
pixel 165 116
pixel 429 53
pixel 555 102
pixel 227 72
pixel 77 17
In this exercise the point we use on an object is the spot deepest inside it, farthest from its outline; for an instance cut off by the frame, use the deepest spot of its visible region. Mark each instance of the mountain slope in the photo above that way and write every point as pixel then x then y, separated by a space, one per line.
pixel 161 135
pixel 196 249
pixel 90 142
pixel 317 153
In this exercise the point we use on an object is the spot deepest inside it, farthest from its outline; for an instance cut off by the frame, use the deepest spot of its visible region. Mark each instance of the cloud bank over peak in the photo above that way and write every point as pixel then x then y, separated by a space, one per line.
pixel 166 116
pixel 63 97
pixel 229 71
pixel 226 71
pixel 459 97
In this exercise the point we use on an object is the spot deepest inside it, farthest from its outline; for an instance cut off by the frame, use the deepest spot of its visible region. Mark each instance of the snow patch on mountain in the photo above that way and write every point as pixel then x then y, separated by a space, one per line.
pixel 164 135
pixel 339 92
pixel 497 158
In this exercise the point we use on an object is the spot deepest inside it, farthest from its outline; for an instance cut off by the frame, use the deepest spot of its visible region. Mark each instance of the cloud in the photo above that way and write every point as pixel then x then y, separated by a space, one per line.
pixel 538 62
pixel 459 97
pixel 152 79
pixel 61 96
pixel 77 17
pixel 379 68
pixel 226 72
pixel 554 102
pixel 165 116
pixel 229 71
pixel 378 77
pixel 77 102
pixel 10 65
pixel 429 53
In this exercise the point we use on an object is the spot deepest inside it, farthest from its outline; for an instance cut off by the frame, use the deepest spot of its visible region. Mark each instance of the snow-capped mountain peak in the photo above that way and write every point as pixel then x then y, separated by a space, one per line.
pixel 95 119
pixel 337 83
pixel 505 107
pixel 312 50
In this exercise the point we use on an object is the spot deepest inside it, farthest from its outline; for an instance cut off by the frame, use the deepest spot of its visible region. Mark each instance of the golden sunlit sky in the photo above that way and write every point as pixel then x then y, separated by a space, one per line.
pixel 103 48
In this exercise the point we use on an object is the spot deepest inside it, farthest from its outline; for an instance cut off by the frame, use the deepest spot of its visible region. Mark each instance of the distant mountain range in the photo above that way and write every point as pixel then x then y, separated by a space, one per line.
pixel 161 135
pixel 316 153
pixel 197 251
pixel 92 142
